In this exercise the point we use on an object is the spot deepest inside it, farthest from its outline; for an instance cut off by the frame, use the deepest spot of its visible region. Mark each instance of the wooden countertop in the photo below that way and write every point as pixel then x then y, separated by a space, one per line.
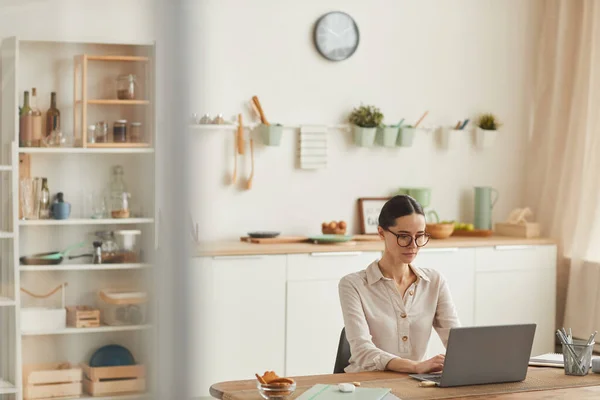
pixel 239 248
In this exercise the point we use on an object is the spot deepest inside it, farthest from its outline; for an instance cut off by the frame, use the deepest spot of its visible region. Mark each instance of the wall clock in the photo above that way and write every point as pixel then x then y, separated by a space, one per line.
pixel 336 36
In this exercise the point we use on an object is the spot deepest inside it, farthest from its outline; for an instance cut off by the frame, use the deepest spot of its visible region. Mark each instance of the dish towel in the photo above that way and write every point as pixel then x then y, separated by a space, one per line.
pixel 313 147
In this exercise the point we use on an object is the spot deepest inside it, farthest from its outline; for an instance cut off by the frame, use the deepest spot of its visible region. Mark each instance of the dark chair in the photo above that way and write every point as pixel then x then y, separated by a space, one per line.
pixel 342 360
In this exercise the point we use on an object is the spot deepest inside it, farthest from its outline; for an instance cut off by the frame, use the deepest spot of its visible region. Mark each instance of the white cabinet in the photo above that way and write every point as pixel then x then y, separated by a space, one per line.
pixel 517 284
pixel 237 318
pixel 457 265
pixel 314 314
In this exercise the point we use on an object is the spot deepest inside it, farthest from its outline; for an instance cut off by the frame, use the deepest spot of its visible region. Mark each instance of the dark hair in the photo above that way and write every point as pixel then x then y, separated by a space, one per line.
pixel 396 207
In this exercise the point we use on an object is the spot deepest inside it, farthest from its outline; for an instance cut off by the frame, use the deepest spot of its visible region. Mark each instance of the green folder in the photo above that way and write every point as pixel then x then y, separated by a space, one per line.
pixel 332 392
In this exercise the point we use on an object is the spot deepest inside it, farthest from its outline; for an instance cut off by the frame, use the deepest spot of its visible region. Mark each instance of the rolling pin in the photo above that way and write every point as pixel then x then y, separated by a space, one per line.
pixel 263 119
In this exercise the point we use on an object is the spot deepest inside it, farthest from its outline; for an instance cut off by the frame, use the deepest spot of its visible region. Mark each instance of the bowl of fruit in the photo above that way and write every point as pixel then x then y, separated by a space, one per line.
pixel 440 230
pixel 273 387
pixel 334 228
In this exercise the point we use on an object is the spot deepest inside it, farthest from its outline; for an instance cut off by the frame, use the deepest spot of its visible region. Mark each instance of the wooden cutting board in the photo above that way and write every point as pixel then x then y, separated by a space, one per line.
pixel 277 240
pixel 474 233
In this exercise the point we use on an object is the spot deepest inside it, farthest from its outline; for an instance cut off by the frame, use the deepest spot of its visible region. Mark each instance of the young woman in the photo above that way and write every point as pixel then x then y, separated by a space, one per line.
pixel 390 307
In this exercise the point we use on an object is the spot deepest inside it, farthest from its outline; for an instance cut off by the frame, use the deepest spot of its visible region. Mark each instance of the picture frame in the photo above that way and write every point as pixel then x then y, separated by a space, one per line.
pixel 368 213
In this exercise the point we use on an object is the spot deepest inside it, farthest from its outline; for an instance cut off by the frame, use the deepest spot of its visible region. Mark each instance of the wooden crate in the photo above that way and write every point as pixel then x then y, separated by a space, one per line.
pixel 83 317
pixel 106 381
pixel 46 381
pixel 526 230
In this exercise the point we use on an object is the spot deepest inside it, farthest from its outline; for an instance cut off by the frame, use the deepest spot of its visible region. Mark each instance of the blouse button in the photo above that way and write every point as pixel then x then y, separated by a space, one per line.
pixel 411 292
pixel 403 315
pixel 404 338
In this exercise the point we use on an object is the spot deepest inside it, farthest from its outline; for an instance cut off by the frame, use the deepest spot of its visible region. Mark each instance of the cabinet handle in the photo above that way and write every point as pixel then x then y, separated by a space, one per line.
pixel 513 247
pixel 441 250
pixel 237 257
pixel 337 254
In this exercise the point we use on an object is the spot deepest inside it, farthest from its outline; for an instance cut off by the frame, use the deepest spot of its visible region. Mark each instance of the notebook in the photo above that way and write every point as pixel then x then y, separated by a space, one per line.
pixel 550 360
pixel 331 392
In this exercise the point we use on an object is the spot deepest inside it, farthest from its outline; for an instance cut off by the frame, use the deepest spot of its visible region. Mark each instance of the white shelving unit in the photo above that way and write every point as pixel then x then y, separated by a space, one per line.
pixel 49 66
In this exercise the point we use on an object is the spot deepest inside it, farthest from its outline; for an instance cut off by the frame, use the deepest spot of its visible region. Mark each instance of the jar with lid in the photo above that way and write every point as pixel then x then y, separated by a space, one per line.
pixel 126 87
pixel 120 131
pixel 135 132
pixel 119 196
pixel 91 134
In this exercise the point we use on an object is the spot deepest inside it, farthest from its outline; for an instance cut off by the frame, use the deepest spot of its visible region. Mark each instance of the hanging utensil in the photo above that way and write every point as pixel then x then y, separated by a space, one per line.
pixel 235 154
pixel 421 119
pixel 241 149
pixel 249 186
pixel 263 119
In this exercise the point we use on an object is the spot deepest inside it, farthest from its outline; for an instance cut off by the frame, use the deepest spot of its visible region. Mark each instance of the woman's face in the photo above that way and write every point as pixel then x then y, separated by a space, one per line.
pixel 406 230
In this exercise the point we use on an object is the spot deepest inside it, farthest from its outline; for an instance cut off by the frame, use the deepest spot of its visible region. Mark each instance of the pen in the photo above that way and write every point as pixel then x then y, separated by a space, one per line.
pixel 464 124
pixel 591 339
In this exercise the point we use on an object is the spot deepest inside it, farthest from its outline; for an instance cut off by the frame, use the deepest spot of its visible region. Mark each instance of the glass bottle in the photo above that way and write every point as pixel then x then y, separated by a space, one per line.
pixel 45 200
pixel 52 116
pixel 119 196
pixel 37 119
pixel 26 123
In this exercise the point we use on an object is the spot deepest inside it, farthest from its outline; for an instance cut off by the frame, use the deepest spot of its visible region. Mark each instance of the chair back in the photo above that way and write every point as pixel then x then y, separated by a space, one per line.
pixel 342 360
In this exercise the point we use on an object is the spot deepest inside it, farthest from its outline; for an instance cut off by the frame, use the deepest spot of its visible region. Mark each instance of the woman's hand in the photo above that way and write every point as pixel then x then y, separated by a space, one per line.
pixel 435 364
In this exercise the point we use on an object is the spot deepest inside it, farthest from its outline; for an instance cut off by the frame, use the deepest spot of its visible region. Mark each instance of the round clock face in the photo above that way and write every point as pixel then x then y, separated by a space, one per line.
pixel 336 36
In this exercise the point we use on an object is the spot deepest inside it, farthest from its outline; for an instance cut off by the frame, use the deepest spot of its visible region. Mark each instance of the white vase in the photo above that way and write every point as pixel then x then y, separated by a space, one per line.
pixel 485 138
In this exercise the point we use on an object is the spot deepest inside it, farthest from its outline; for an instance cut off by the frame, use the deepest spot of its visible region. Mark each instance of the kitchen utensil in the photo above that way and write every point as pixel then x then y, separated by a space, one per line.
pixel 50 258
pixel 112 355
pixel 235 154
pixel 421 119
pixel 485 199
pixel 240 136
pixel 263 119
pixel 276 240
pixel 330 238
pixel 263 234
pixel 249 186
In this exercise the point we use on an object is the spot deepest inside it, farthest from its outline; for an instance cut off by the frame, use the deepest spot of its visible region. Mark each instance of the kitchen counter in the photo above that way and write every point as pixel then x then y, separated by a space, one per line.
pixel 238 248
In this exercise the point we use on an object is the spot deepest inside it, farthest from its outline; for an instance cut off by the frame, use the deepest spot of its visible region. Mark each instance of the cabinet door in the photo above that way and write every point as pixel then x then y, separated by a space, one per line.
pixel 314 314
pixel 515 285
pixel 457 265
pixel 238 318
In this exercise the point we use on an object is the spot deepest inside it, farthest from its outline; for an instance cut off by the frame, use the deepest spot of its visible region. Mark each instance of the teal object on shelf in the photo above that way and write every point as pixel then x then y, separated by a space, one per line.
pixel 271 134
pixel 485 199
pixel 330 238
pixel 363 137
pixel 387 136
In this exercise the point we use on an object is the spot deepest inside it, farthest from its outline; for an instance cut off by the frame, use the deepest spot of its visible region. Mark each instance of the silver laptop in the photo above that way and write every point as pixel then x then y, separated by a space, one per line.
pixel 485 354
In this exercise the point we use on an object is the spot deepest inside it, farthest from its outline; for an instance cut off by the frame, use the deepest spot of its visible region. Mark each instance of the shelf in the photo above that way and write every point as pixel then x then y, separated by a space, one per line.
pixel 81 150
pixel 5 167
pixel 6 302
pixel 86 221
pixel 7 388
pixel 6 235
pixel 118 58
pixel 117 145
pixel 101 329
pixel 82 267
pixel 116 102
pixel 231 127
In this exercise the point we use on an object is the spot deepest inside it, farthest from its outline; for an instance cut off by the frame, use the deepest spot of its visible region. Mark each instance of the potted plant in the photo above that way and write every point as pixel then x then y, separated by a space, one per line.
pixel 365 120
pixel 487 130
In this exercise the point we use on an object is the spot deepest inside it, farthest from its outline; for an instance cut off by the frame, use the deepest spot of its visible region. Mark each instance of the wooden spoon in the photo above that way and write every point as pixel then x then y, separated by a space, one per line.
pixel 241 149
pixel 263 119
pixel 235 153
pixel 252 170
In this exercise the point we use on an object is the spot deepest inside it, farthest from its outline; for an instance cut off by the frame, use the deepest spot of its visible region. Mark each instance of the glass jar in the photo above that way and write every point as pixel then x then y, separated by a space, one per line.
pixel 119 196
pixel 101 132
pixel 126 86
pixel 135 132
pixel 91 134
pixel 120 131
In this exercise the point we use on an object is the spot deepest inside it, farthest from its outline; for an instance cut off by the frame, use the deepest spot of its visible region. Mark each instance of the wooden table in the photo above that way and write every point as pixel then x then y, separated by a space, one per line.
pixel 219 390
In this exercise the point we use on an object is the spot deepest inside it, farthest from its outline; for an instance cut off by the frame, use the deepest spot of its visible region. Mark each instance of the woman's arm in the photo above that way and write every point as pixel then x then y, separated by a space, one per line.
pixel 445 313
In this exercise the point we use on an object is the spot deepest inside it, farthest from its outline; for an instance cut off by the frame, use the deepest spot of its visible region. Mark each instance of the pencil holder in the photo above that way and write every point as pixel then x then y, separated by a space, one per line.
pixel 271 134
pixel 577 357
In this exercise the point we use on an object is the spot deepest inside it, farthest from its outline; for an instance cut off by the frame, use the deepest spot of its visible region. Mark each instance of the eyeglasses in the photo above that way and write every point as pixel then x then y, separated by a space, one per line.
pixel 405 240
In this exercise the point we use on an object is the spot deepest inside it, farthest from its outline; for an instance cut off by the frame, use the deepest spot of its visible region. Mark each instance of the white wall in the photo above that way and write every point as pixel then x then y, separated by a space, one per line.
pixel 105 21
pixel 454 58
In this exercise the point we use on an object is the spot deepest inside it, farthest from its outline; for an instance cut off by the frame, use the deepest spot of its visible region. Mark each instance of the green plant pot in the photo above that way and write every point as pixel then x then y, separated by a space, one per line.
pixel 406 137
pixel 364 137
pixel 271 134
pixel 387 136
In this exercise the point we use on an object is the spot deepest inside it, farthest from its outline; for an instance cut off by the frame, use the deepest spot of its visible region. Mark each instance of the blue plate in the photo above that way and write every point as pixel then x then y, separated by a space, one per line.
pixel 112 355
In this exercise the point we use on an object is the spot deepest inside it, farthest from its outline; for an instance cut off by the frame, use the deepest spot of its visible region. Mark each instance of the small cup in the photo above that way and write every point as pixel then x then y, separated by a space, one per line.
pixel 271 134
pixel 577 357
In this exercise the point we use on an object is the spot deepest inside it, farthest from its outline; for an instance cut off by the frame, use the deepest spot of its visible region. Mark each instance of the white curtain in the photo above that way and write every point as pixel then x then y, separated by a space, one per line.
pixel 564 157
